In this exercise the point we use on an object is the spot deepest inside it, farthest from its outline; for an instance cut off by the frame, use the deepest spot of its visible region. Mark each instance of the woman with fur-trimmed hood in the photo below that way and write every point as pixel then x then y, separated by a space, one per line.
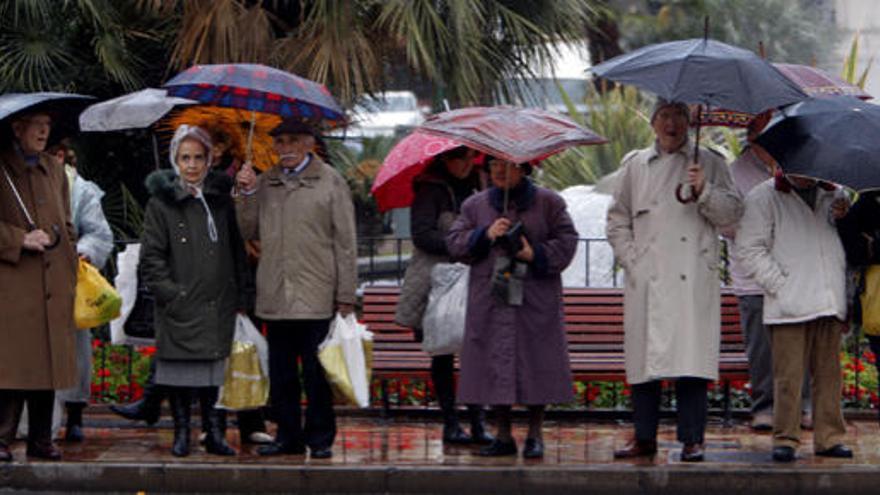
pixel 193 261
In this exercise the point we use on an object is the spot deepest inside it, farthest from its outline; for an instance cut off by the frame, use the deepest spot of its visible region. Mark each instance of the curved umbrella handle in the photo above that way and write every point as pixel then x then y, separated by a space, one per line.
pixel 692 198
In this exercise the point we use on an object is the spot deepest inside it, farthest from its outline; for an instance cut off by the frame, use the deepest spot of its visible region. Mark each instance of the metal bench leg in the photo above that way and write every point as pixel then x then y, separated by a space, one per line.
pixel 728 413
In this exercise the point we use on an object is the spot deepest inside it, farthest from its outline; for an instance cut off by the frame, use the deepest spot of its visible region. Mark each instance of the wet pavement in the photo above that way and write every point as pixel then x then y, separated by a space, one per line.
pixel 372 455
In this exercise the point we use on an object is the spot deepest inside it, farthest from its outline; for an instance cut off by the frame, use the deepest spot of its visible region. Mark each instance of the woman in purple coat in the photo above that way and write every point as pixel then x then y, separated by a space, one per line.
pixel 519 239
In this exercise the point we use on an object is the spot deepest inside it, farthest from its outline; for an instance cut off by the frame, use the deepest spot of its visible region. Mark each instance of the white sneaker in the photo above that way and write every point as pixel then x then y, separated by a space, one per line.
pixel 260 437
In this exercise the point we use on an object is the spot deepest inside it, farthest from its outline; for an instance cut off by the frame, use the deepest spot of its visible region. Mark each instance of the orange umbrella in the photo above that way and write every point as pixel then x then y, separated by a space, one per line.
pixel 234 124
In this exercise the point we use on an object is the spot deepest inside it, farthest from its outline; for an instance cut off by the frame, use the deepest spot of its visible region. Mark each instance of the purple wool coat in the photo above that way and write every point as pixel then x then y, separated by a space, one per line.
pixel 515 354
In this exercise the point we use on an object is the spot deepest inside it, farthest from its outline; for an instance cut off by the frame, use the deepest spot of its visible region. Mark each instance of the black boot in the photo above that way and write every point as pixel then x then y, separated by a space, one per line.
pixel 214 423
pixel 181 405
pixel 149 407
pixel 443 377
pixel 74 432
pixel 479 435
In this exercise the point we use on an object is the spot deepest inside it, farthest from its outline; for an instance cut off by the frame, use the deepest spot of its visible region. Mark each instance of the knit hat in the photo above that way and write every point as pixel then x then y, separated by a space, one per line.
pixel 662 103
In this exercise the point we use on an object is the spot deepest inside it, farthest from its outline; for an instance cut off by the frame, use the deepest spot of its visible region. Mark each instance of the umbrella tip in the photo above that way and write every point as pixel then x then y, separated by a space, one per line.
pixel 706 28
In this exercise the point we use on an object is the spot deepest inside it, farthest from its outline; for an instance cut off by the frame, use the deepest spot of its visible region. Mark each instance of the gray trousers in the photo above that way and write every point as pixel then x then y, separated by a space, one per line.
pixel 757 337
pixel 82 390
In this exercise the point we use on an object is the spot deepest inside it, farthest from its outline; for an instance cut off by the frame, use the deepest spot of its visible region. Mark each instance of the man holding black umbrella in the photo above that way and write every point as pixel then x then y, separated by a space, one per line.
pixel 38 270
pixel 669 249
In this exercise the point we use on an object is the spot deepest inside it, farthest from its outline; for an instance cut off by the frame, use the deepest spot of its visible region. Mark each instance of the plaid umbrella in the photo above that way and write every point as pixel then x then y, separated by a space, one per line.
pixel 258 88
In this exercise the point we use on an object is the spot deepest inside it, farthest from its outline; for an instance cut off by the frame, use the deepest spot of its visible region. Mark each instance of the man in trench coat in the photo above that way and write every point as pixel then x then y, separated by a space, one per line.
pixel 38 274
pixel 670 253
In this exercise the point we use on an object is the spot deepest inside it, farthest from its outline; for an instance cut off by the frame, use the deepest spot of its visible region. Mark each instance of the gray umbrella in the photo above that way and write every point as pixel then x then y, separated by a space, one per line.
pixel 137 110
pixel 64 108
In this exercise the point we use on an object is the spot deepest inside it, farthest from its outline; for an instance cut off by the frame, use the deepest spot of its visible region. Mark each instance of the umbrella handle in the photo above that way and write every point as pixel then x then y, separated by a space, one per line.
pixel 692 197
pixel 250 138
pixel 679 195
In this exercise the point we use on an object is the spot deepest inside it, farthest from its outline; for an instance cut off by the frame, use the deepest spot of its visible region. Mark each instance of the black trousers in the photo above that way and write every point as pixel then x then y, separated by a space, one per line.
pixel 40 405
pixel 691 398
pixel 292 342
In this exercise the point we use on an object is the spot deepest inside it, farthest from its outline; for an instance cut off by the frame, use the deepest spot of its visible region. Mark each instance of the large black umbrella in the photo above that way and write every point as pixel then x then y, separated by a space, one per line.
pixel 706 72
pixel 833 139
pixel 63 107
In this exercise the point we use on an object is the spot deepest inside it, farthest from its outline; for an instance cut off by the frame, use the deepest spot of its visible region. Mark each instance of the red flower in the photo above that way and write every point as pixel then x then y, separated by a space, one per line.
pixel 96 344
pixel 103 372
pixel 626 392
pixel 148 350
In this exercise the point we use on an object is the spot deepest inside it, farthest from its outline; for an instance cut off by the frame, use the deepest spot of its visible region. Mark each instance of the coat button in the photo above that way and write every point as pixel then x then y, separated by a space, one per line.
pixel 183 240
pixel 48 296
pixel 683 276
pixel 180 225
pixel 684 239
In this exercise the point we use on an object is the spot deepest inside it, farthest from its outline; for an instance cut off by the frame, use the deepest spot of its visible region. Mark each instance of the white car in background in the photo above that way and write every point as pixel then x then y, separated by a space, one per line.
pixel 385 114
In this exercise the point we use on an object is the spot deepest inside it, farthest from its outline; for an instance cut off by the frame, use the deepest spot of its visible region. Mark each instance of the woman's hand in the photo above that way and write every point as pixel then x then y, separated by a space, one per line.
pixel 498 228
pixel 526 254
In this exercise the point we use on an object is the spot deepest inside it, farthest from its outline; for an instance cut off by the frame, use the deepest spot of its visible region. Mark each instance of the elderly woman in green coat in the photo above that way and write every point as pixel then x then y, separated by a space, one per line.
pixel 192 259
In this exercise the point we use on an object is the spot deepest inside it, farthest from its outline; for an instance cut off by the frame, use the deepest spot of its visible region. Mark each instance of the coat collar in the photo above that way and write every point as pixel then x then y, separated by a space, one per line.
pixel 165 184
pixel 15 162
pixel 521 197
pixel 307 178
pixel 687 150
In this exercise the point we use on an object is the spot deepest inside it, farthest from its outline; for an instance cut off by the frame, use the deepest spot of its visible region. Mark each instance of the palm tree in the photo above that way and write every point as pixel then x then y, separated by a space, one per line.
pixel 464 47
pixel 95 46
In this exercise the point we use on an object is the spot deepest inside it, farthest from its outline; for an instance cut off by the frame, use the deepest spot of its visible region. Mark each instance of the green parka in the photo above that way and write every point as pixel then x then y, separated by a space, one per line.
pixel 198 284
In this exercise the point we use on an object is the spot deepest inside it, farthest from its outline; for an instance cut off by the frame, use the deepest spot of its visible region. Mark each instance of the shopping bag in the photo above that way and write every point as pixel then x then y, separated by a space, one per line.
pixel 870 299
pixel 347 358
pixel 444 318
pixel 97 302
pixel 135 323
pixel 246 382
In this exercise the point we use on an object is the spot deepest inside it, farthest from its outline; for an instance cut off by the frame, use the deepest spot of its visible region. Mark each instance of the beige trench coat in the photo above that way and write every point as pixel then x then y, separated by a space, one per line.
pixel 670 253
pixel 305 225
pixel 36 289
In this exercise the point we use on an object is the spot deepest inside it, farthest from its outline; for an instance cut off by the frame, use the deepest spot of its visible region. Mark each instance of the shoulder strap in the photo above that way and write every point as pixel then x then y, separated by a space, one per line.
pixel 30 221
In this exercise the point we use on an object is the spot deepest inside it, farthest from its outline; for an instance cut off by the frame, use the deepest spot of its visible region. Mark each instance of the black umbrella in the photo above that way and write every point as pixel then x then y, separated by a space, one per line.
pixel 833 139
pixel 63 107
pixel 705 72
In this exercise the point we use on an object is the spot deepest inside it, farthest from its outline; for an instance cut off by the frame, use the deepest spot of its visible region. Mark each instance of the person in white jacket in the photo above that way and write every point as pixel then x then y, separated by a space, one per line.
pixel 787 242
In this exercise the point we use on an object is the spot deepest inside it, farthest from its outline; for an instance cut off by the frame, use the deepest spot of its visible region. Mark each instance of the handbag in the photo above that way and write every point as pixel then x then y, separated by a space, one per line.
pixel 347 358
pixel 444 320
pixel 246 379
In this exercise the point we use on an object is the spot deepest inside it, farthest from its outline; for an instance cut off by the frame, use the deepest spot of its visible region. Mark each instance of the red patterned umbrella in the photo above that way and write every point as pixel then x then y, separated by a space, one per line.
pixel 812 80
pixel 515 134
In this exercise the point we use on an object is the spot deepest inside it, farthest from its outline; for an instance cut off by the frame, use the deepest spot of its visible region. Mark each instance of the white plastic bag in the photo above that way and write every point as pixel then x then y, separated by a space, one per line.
pixel 444 318
pixel 346 356
pixel 126 284
pixel 246 382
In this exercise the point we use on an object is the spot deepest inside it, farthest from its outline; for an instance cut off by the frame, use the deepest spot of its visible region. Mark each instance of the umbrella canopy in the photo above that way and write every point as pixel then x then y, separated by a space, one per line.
pixel 832 139
pixel 515 134
pixel 258 88
pixel 814 81
pixel 136 110
pixel 234 124
pixel 64 108
pixel 392 187
pixel 704 71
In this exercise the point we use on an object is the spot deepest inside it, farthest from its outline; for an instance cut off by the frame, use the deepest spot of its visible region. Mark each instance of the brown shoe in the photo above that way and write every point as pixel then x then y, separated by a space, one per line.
pixel 762 421
pixel 5 454
pixel 692 452
pixel 636 449
pixel 47 452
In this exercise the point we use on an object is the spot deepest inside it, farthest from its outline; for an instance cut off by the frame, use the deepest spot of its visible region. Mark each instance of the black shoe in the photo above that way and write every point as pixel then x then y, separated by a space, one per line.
pixel 783 454
pixel 138 411
pixel 5 454
pixel 276 448
pixel 321 453
pixel 534 448
pixel 692 452
pixel 181 404
pixel 46 452
pixel 499 448
pixel 636 448
pixel 838 450
pixel 452 433
pixel 479 435
pixel 73 429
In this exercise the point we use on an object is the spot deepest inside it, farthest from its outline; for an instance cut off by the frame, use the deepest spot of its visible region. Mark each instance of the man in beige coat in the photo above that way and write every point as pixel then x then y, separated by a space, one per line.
pixel 670 253
pixel 302 214
pixel 37 286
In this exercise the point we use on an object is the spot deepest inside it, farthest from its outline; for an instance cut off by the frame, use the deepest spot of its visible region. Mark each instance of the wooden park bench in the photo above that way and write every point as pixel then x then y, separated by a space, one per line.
pixel 593 323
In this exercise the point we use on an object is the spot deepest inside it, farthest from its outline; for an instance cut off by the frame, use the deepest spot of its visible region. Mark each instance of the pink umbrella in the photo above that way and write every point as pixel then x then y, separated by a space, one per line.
pixel 515 134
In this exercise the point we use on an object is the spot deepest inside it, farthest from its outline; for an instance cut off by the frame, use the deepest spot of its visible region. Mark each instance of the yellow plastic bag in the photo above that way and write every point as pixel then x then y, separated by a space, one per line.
pixel 97 302
pixel 347 358
pixel 246 382
pixel 870 300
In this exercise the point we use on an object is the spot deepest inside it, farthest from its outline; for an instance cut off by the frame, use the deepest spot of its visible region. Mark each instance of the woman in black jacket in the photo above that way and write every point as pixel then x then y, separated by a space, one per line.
pixel 439 192
pixel 192 259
